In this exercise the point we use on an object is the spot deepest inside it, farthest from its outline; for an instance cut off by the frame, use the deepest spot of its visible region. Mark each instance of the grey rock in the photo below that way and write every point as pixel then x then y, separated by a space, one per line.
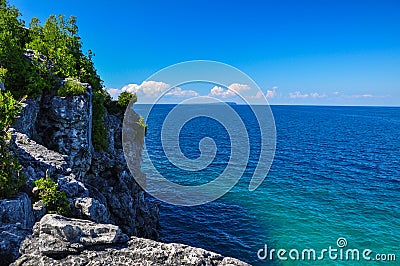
pixel 112 179
pixel 92 209
pixel 16 221
pixel 60 241
pixel 39 210
pixel 64 125
pixel 72 187
pixel 55 234
pixel 11 237
pixel 37 159
pixel 17 211
pixel 26 121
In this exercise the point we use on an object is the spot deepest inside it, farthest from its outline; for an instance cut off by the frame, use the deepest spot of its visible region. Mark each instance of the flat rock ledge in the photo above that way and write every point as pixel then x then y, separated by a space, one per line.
pixel 57 240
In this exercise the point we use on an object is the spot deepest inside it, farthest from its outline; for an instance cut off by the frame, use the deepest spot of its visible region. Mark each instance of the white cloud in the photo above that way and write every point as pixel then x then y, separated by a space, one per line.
pixel 298 95
pixel 114 93
pixel 221 92
pixel 259 95
pixel 239 87
pixel 271 93
pixel 148 89
pixel 178 92
pixel 154 89
pixel 232 90
pixel 359 96
pixel 367 95
pixel 317 95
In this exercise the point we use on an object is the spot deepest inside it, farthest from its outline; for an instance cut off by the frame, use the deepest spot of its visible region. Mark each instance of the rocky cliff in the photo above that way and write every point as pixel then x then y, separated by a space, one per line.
pixel 57 240
pixel 53 135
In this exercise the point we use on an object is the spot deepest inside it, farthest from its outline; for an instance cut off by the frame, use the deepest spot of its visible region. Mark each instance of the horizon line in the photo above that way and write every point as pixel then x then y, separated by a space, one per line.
pixel 308 105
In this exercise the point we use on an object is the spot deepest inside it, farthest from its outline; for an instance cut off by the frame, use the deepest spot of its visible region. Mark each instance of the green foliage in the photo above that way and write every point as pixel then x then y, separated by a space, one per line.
pixel 142 124
pixel 57 54
pixel 99 133
pixel 71 88
pixel 119 106
pixel 3 72
pixel 58 42
pixel 125 98
pixel 11 178
pixel 12 38
pixel 54 200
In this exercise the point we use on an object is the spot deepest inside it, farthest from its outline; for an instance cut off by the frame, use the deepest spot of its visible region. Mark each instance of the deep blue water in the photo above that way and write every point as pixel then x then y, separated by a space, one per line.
pixel 336 173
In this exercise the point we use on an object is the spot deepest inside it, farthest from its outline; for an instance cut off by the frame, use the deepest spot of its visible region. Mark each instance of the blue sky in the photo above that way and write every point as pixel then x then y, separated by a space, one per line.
pixel 298 52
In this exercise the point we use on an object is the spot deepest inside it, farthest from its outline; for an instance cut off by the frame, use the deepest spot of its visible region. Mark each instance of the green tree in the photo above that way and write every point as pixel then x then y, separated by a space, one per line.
pixel 58 42
pixel 12 37
pixel 35 60
pixel 54 200
pixel 125 98
pixel 11 178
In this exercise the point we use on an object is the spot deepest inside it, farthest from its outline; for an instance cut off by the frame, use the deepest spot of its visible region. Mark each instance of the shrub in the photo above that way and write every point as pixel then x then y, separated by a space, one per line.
pixel 3 72
pixel 54 200
pixel 142 124
pixel 99 132
pixel 125 98
pixel 11 178
pixel 71 87
pixel 119 106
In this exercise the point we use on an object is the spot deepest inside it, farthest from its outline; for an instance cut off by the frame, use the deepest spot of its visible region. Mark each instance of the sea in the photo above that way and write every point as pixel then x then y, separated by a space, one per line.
pixel 334 184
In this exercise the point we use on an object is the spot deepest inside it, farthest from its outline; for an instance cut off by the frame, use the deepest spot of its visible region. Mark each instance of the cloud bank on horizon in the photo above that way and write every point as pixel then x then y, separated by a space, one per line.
pixel 149 91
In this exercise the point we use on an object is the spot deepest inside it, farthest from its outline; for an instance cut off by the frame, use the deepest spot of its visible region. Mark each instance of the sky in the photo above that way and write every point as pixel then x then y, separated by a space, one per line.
pixel 298 52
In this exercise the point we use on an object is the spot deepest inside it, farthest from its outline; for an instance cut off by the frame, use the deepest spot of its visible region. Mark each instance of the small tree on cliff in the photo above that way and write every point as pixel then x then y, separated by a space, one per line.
pixel 11 179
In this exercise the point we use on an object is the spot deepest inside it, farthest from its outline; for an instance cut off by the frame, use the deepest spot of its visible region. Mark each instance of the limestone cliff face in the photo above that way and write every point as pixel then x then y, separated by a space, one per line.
pixel 54 134
pixel 64 125
pixel 109 210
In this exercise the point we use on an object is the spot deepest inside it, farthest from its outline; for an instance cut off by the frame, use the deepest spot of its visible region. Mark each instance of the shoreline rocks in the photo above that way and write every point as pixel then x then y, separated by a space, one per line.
pixel 109 210
pixel 57 240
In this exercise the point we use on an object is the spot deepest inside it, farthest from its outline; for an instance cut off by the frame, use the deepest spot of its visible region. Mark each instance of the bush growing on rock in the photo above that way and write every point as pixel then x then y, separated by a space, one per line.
pixel 71 87
pixel 54 200
pixel 143 125
pixel 34 60
pixel 11 178
pixel 99 132
pixel 125 98
pixel 119 106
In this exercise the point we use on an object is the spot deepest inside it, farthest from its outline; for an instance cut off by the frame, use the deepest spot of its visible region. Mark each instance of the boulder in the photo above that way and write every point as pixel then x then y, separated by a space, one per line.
pixel 61 241
pixel 89 208
pixel 26 121
pixel 16 221
pixel 17 211
pixel 55 235
pixel 11 237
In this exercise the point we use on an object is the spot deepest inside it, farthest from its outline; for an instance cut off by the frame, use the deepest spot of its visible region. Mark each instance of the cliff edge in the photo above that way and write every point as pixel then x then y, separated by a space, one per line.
pixel 111 221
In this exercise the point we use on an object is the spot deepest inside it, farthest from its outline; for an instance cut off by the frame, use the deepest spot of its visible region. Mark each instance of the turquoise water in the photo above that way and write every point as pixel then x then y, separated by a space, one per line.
pixel 336 174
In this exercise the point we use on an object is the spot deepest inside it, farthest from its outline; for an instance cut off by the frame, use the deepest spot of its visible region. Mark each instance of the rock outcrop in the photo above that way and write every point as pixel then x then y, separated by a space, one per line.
pixel 53 136
pixel 61 241
pixel 64 125
pixel 16 221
